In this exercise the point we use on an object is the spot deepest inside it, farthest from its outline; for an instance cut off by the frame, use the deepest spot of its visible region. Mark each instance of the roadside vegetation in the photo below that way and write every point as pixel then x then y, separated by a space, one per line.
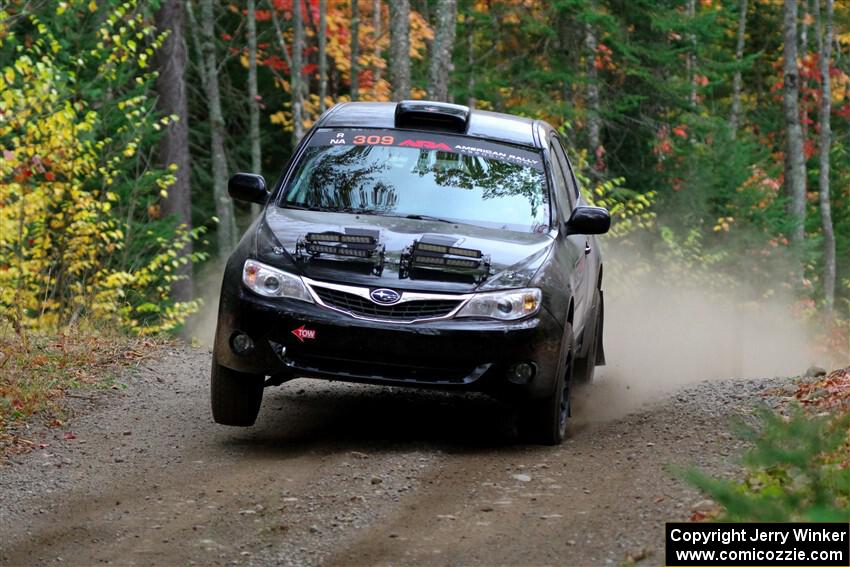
pixel 798 466
pixel 39 374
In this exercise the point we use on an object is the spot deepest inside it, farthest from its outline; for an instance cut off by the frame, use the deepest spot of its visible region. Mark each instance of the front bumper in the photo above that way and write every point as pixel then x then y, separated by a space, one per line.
pixel 462 354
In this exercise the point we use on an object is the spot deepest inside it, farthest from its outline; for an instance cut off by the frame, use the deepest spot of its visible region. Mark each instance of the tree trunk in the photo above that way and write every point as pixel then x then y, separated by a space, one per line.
pixel 825 56
pixel 470 62
pixel 795 166
pixel 174 144
pixel 226 232
pixel 802 53
pixel 737 81
pixel 376 36
pixel 253 98
pixel 355 50
pixel 804 27
pixel 593 122
pixel 297 67
pixel 400 48
pixel 323 54
pixel 442 49
pixel 692 55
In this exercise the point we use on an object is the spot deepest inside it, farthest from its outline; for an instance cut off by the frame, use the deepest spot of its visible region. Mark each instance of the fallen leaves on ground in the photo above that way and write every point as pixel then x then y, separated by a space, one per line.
pixel 830 392
pixel 38 373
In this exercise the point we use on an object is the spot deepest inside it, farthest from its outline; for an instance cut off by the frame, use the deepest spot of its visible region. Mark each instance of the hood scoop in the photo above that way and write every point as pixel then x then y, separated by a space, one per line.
pixel 437 257
pixel 357 246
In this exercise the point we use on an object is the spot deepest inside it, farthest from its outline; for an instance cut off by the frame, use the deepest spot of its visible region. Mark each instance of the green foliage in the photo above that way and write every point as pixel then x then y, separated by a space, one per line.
pixel 794 471
pixel 77 182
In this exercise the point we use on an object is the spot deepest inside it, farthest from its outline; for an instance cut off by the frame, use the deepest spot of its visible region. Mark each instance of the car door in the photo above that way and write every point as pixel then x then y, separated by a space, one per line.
pixel 574 256
pixel 591 245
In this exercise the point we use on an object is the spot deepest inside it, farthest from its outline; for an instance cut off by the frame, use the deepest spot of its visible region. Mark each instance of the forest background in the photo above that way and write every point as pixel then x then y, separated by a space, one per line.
pixel 716 131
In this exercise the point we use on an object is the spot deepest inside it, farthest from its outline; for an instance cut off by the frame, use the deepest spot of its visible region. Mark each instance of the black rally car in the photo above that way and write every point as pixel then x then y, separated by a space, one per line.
pixel 416 244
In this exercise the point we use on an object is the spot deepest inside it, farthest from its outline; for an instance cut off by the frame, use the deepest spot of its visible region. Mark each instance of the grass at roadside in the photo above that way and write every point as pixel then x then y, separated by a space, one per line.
pixel 38 373
pixel 798 464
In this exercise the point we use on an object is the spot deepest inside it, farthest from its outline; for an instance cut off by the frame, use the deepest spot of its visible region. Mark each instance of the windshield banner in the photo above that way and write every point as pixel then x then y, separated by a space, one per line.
pixel 428 141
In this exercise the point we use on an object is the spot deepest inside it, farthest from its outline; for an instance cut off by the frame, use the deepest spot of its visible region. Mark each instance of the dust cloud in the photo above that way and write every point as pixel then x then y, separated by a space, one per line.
pixel 201 327
pixel 660 335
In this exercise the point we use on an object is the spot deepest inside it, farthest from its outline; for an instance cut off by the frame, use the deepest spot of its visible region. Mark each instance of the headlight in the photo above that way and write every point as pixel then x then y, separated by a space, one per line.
pixel 505 305
pixel 271 282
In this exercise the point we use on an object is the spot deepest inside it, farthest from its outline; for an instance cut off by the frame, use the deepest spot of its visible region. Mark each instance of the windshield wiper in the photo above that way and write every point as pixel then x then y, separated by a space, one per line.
pixel 356 211
pixel 301 207
pixel 427 218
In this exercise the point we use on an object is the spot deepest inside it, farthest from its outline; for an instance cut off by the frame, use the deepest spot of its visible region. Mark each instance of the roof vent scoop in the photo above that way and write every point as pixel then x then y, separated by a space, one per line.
pixel 425 115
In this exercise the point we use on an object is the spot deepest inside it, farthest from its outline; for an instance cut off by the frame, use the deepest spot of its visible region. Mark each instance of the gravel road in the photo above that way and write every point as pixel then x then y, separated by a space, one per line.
pixel 354 475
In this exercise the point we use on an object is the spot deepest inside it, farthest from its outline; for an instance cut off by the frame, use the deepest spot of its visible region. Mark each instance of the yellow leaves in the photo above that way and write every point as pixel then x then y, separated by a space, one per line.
pixel 56 165
pixel 723 224
pixel 92 6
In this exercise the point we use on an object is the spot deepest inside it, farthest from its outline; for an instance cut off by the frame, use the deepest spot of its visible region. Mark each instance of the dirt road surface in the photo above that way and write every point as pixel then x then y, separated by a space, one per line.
pixel 339 474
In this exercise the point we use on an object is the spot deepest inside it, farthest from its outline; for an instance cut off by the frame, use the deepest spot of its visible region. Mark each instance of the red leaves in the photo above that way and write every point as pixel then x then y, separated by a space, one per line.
pixel 829 392
pixel 809 148
pixel 603 59
pixel 68 436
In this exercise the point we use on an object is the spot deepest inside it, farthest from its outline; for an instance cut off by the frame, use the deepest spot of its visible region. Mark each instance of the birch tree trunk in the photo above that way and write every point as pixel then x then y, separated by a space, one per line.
pixel 226 233
pixel 174 144
pixel 296 79
pixel 253 98
pixel 355 50
pixel 470 62
pixel 593 123
pixel 692 55
pixel 323 54
pixel 825 57
pixel 441 50
pixel 376 36
pixel 400 48
pixel 795 166
pixel 737 80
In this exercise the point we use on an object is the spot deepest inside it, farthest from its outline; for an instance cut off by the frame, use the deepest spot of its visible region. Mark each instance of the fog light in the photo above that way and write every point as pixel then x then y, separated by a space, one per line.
pixel 521 373
pixel 242 344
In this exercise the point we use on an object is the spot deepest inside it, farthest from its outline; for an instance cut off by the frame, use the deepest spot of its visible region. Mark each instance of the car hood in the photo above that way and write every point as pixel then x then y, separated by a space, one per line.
pixel 514 256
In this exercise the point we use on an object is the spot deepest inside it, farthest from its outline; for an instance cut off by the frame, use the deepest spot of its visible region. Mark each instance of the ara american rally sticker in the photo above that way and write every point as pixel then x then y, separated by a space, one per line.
pixel 304 333
pixel 465 145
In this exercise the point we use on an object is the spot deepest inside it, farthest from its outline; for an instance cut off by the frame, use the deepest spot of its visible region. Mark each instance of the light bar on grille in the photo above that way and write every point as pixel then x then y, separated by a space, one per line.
pixel 313 248
pixel 441 261
pixel 338 237
pixel 439 249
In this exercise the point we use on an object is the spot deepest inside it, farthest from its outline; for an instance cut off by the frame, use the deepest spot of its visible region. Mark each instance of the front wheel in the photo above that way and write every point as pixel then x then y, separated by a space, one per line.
pixel 235 396
pixel 545 421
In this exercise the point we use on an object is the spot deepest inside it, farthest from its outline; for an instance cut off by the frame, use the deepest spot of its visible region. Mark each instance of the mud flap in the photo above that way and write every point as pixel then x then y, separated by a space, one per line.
pixel 600 350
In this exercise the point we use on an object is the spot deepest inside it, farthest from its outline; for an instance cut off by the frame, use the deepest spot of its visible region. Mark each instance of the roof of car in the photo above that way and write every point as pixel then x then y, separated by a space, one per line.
pixel 482 124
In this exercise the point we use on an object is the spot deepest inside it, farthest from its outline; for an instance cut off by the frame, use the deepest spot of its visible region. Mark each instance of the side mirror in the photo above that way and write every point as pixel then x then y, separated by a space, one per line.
pixel 589 220
pixel 248 187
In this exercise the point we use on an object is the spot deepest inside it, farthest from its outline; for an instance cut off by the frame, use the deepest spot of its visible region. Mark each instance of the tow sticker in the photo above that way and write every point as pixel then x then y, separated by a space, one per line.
pixel 304 333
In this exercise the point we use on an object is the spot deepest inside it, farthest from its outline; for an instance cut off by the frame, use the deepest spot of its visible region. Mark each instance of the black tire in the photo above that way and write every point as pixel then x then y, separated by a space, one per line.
pixel 235 396
pixel 584 367
pixel 545 421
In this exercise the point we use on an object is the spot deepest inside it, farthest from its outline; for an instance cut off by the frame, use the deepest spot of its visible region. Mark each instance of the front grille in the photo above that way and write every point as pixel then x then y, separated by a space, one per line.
pixel 406 311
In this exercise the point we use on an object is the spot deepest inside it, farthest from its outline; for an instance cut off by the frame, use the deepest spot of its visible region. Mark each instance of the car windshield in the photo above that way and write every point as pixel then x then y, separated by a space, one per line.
pixel 426 176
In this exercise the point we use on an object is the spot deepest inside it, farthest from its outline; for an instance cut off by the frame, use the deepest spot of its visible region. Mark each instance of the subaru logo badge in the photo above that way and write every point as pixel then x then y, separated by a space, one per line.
pixel 385 296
